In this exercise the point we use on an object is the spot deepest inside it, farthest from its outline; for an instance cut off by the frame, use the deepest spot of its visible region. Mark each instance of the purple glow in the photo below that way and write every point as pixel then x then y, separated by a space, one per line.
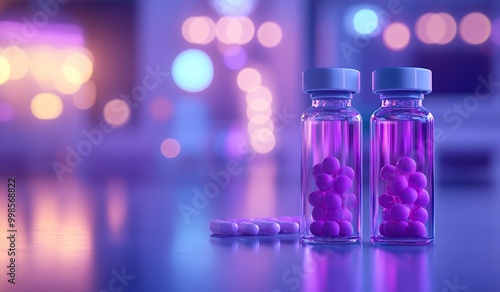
pixel 54 34
pixel 235 61
pixel 495 32
pixel 7 112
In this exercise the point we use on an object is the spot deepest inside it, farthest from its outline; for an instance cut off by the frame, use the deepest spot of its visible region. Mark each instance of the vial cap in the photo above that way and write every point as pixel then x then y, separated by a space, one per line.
pixel 402 79
pixel 324 79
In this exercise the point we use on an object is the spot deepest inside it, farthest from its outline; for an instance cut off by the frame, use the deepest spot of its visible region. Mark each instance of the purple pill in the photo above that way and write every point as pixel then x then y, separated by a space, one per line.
pixel 331 165
pixel 333 200
pixel 406 166
pixel 342 183
pixel 419 214
pixel 417 229
pixel 381 229
pixel 224 227
pixel 350 200
pixel 318 169
pixel 347 171
pixel 345 228
pixel 418 181
pixel 316 228
pixel 267 227
pixel 331 228
pixel 335 214
pixel 388 190
pixel 388 172
pixel 319 213
pixel 399 212
pixel 324 182
pixel 400 228
pixel 316 198
pixel 386 214
pixel 386 200
pixel 408 195
pixel 422 199
pixel 248 228
pixel 398 183
pixel 389 229
pixel 288 227
pixel 347 216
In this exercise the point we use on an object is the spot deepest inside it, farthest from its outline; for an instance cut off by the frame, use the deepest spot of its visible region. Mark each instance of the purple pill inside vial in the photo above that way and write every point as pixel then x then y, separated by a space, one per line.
pixel 400 228
pixel 406 166
pixel 316 228
pixel 224 227
pixel 331 228
pixel 319 213
pixel 389 229
pixel 248 228
pixel 331 165
pixel 324 182
pixel 422 199
pixel 398 183
pixel 388 190
pixel 388 172
pixel 417 229
pixel 317 169
pixel 386 214
pixel 316 198
pixel 386 200
pixel 400 212
pixel 347 171
pixel 345 228
pixel 418 181
pixel 335 214
pixel 381 229
pixel 333 200
pixel 288 227
pixel 347 216
pixel 342 183
pixel 408 195
pixel 419 214
pixel 350 200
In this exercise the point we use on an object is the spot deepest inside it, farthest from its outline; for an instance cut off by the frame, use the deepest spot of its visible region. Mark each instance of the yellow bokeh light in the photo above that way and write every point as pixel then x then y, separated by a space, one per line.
pixel 72 74
pixel 63 85
pixel 77 68
pixel 249 79
pixel 19 61
pixel 44 65
pixel 116 112
pixel 46 106
pixel 85 97
pixel 4 70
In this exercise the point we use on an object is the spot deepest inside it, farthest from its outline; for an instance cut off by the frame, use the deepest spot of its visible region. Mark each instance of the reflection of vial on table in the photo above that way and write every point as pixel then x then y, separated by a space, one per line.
pixel 402 158
pixel 331 157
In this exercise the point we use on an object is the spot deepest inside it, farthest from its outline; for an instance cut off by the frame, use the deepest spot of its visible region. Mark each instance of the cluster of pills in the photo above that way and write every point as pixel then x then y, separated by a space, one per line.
pixel 255 226
pixel 332 199
pixel 404 200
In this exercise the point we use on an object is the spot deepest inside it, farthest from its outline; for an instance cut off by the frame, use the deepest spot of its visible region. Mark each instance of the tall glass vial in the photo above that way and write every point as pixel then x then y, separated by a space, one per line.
pixel 402 158
pixel 331 157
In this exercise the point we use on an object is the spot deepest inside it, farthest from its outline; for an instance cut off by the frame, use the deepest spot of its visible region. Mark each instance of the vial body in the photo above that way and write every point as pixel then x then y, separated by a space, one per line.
pixel 331 170
pixel 402 171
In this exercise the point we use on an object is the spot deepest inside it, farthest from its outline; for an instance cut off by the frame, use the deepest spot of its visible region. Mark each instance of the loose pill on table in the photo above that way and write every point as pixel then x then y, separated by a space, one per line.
pixel 324 182
pixel 388 172
pixel 386 200
pixel 386 214
pixel 422 199
pixel 319 213
pixel 416 229
pixel 342 183
pixel 398 183
pixel 347 216
pixel 419 214
pixel 248 228
pixel 331 165
pixel 408 195
pixel 345 228
pixel 418 181
pixel 331 228
pixel 400 228
pixel 267 227
pixel 316 228
pixel 350 200
pixel 224 227
pixel 333 200
pixel 335 214
pixel 400 212
pixel 347 171
pixel 316 198
pixel 406 166
pixel 288 227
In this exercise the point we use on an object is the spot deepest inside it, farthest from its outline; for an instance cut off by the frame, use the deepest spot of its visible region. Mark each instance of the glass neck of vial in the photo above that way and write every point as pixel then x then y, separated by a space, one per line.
pixel 331 99
pixel 402 99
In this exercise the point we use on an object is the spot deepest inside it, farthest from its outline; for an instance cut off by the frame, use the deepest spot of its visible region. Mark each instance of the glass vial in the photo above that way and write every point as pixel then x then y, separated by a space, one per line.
pixel 402 158
pixel 331 157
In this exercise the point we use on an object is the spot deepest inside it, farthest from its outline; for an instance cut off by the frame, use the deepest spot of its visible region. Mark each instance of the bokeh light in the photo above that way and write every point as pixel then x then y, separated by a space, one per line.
pixel 233 7
pixel 160 109
pixel 449 32
pixel 198 30
pixel 77 68
pixel 260 93
pixel 263 140
pixel 170 148
pixel 260 126
pixel 193 70
pixel 7 112
pixel 475 28
pixel 396 36
pixel 85 97
pixel 249 79
pixel 269 34
pixel 18 60
pixel 421 28
pixel 46 106
pixel 365 21
pixel 234 30
pixel 63 85
pixel 44 65
pixel 4 70
pixel 116 112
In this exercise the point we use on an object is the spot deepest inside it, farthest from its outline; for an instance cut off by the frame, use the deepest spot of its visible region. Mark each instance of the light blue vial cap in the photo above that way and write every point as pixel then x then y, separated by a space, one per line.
pixel 402 79
pixel 324 79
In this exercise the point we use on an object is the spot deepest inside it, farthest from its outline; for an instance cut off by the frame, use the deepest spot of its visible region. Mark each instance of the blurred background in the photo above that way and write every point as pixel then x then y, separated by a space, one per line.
pixel 116 115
